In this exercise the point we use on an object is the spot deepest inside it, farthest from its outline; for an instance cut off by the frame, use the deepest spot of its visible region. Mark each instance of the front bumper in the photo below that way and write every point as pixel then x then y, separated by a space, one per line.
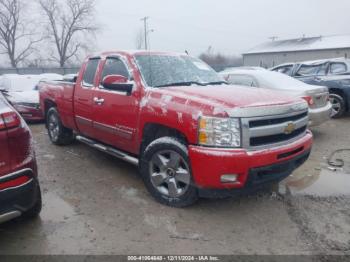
pixel 16 200
pixel 320 115
pixel 210 164
pixel 30 113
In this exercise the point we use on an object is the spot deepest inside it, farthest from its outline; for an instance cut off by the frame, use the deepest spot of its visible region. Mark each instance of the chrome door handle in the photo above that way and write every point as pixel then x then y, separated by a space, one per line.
pixel 99 101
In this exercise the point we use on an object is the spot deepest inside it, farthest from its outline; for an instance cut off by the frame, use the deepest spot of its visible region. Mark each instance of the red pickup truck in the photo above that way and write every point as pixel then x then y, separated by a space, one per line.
pixel 190 133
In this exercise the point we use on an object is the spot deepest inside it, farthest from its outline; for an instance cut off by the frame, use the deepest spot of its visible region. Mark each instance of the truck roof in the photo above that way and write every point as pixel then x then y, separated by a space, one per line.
pixel 135 52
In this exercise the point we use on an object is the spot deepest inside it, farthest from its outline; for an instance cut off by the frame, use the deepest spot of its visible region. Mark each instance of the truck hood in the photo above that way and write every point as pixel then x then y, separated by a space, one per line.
pixel 231 96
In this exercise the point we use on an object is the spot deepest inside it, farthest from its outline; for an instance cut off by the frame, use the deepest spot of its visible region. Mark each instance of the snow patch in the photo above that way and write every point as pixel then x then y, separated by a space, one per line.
pixel 218 110
pixel 167 98
pixel 144 102
pixel 164 110
pixel 180 117
pixel 214 152
pixel 197 115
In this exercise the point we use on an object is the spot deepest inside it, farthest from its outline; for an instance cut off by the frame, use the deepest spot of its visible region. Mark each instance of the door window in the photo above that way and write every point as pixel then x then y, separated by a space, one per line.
pixel 309 70
pixel 338 68
pixel 114 66
pixel 90 72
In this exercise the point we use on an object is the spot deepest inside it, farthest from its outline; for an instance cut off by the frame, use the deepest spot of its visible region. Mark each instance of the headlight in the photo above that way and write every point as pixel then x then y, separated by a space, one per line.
pixel 219 132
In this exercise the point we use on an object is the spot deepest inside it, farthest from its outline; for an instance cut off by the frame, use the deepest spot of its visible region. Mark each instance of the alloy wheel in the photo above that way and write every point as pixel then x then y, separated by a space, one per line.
pixel 170 174
pixel 54 128
pixel 336 105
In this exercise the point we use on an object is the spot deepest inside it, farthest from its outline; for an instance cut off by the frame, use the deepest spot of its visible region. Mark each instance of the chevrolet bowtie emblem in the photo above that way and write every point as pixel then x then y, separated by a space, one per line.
pixel 290 128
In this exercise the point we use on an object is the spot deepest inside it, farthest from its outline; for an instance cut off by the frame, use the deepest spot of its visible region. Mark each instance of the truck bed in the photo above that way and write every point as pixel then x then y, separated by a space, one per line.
pixel 61 93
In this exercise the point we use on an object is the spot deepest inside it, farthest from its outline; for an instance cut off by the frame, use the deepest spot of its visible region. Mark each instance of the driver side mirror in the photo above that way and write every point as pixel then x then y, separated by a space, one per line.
pixel 118 83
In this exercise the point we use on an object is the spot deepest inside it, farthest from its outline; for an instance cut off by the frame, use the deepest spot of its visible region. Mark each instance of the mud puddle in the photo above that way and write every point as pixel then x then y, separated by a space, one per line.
pixel 326 182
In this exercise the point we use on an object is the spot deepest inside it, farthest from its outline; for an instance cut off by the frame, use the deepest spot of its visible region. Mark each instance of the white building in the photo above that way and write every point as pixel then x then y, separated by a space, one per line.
pixel 273 53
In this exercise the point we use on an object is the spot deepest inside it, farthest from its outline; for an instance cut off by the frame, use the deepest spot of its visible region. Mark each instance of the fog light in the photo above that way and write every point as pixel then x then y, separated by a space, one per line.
pixel 225 179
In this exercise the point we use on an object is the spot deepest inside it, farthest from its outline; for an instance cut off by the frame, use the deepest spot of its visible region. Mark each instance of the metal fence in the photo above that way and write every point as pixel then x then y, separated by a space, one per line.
pixel 38 71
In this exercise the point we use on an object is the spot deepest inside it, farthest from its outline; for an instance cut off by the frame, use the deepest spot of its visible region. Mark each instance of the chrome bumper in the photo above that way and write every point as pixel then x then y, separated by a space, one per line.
pixel 320 115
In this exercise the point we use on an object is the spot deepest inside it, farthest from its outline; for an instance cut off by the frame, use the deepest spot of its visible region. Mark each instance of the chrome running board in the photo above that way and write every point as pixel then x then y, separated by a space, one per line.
pixel 109 150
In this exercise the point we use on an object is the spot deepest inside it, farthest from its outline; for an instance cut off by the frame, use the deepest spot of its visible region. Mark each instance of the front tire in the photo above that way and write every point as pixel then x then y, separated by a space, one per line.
pixel 59 135
pixel 166 172
pixel 338 105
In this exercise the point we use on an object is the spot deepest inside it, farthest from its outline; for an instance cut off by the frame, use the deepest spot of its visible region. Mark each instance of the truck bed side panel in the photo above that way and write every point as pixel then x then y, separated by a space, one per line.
pixel 61 94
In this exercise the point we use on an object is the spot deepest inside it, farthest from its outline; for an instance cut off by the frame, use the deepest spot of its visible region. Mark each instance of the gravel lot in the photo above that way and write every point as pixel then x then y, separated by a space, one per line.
pixel 95 204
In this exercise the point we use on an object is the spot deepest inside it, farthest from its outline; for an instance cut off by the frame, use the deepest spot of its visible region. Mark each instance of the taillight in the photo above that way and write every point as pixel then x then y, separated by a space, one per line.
pixel 309 100
pixel 9 120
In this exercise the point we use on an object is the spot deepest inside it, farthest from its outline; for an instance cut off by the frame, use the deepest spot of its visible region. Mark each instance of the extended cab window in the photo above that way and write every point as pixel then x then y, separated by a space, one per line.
pixel 90 72
pixel 243 80
pixel 114 66
pixel 338 68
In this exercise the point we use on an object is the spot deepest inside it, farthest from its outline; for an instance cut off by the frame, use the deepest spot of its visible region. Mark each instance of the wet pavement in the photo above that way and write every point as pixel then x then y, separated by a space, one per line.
pixel 95 204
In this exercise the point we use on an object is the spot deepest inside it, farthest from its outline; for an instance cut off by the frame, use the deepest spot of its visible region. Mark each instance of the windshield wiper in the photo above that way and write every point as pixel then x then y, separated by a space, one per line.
pixel 189 83
pixel 215 83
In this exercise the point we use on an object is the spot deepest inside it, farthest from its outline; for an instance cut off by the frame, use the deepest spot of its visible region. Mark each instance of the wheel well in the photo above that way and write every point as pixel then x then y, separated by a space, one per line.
pixel 48 105
pixel 152 132
pixel 340 93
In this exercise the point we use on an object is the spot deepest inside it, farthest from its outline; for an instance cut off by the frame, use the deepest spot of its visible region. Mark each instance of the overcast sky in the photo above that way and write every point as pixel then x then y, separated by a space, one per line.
pixel 229 26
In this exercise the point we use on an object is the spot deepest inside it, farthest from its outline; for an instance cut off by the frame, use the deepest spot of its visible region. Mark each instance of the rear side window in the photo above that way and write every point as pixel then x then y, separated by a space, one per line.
pixel 338 68
pixel 243 80
pixel 114 66
pixel 284 70
pixel 90 72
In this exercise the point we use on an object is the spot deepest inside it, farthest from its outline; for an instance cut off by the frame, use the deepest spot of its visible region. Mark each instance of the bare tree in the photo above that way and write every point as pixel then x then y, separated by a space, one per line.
pixel 69 22
pixel 17 38
pixel 219 61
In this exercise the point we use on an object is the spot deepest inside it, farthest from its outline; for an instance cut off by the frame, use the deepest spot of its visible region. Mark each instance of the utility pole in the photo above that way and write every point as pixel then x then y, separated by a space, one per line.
pixel 145 20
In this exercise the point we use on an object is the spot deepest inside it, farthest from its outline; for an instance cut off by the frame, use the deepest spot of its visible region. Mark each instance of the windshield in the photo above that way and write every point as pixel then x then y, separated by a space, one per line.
pixel 167 70
pixel 279 81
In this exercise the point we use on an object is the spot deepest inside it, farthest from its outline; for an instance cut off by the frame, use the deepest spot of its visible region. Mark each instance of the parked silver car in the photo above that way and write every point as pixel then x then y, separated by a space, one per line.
pixel 316 96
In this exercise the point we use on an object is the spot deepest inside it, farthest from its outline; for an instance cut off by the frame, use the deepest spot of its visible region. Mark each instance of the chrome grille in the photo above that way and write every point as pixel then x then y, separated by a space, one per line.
pixel 269 131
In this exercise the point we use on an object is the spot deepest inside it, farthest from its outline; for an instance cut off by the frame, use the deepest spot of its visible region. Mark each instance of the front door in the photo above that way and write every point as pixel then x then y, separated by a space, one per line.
pixel 115 113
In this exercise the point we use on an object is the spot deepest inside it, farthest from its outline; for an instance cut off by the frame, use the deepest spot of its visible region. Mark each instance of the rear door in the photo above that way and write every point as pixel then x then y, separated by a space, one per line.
pixel 115 118
pixel 4 150
pixel 83 97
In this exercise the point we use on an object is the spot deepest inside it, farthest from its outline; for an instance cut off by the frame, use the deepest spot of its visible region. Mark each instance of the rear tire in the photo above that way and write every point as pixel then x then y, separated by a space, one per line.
pixel 59 135
pixel 338 104
pixel 166 171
